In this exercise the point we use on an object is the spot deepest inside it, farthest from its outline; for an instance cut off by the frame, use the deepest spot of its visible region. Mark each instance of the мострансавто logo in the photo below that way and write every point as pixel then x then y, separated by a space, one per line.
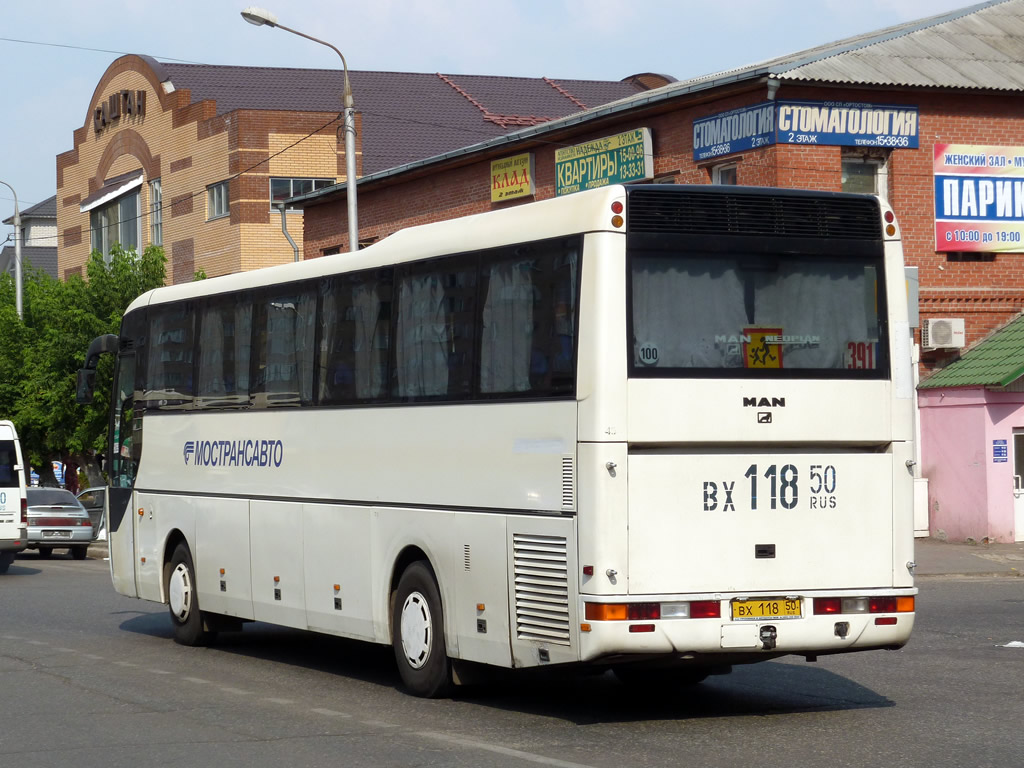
pixel 233 453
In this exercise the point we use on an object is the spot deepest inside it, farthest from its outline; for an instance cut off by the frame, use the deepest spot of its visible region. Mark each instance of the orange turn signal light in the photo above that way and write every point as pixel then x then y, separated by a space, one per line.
pixel 606 612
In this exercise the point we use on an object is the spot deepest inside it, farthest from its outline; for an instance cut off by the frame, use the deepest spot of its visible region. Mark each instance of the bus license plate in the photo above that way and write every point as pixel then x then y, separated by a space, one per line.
pixel 754 610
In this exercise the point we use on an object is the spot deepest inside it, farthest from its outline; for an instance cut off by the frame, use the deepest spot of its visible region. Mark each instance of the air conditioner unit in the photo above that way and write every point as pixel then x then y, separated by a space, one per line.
pixel 943 333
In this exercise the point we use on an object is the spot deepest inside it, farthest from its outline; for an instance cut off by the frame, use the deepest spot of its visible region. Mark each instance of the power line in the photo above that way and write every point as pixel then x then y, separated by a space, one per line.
pixel 94 50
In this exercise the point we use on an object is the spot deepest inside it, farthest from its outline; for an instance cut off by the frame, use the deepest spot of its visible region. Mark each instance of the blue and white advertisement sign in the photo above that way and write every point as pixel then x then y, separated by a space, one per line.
pixel 734 131
pixel 1000 454
pixel 824 123
pixel 847 124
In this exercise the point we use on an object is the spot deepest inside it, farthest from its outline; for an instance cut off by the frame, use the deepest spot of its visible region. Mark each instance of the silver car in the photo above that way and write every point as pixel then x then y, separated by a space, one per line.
pixel 56 520
pixel 93 499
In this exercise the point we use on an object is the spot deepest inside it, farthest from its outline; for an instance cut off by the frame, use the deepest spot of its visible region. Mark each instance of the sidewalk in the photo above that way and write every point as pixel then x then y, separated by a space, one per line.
pixel 933 558
pixel 941 558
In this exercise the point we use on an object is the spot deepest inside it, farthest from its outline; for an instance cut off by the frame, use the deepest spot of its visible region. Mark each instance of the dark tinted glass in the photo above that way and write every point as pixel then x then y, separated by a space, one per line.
pixel 51 497
pixel 7 461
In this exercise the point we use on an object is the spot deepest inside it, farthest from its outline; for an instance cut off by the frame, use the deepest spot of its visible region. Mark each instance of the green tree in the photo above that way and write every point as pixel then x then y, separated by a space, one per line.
pixel 40 355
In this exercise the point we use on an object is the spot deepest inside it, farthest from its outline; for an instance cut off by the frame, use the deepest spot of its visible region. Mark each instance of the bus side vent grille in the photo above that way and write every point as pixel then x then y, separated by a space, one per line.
pixel 731 211
pixel 568 483
pixel 542 588
pixel 465 557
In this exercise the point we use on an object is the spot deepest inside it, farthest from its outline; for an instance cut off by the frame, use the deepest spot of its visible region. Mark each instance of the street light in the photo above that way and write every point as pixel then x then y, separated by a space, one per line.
pixel 262 17
pixel 17 251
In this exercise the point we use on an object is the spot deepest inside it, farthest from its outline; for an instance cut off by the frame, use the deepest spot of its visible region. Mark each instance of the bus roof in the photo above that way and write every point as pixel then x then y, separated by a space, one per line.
pixel 581 212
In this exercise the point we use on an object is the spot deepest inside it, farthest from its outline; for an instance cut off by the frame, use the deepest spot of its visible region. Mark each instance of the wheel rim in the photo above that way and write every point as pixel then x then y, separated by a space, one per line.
pixel 417 630
pixel 180 592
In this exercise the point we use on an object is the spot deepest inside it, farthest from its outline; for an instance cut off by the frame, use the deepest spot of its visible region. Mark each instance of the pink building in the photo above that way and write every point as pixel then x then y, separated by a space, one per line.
pixel 972 441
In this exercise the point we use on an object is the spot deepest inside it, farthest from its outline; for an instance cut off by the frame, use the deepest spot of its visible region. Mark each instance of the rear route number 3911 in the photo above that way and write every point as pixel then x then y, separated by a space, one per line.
pixel 774 486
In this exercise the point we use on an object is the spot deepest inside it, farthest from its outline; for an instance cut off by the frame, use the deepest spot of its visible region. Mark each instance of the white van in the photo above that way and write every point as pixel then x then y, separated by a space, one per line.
pixel 13 507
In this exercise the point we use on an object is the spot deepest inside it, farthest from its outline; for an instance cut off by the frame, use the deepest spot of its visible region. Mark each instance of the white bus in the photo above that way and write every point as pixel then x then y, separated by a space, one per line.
pixel 13 504
pixel 661 429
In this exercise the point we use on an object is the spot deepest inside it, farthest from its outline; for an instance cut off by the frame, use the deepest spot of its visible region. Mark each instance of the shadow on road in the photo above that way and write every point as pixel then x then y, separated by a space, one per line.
pixel 579 696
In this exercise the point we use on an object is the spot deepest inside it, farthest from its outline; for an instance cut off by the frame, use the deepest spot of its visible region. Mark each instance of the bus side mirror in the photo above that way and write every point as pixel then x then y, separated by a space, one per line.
pixel 86 385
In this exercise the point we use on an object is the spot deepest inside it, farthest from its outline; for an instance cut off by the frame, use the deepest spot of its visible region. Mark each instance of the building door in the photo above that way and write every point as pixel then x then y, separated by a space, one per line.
pixel 1018 485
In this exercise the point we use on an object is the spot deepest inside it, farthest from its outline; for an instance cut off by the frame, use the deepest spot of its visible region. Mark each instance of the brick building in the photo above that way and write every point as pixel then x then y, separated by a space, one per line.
pixel 901 112
pixel 190 157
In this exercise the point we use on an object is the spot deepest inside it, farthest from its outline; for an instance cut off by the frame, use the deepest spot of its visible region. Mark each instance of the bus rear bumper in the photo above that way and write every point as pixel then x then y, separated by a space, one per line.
pixel 700 638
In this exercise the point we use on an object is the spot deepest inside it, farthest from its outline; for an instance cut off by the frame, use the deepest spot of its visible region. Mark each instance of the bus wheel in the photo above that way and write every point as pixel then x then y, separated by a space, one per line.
pixel 418 631
pixel 183 600
pixel 6 558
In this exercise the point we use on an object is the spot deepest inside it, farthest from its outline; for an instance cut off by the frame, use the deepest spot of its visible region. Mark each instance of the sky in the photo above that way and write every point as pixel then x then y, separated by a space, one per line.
pixel 53 52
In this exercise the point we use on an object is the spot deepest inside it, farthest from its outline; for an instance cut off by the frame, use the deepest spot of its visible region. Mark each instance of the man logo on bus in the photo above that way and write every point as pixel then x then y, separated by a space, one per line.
pixel 190 448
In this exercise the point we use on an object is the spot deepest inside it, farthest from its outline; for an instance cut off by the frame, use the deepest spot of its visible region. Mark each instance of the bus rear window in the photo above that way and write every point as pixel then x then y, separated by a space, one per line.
pixel 7 462
pixel 774 315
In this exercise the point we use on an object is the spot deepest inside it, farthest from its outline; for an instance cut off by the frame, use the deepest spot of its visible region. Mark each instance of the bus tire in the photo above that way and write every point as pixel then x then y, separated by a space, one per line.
pixel 183 600
pixel 6 558
pixel 417 624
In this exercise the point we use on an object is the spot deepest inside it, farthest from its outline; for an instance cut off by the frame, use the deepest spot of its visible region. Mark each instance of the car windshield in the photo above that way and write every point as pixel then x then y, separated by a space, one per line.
pixel 51 497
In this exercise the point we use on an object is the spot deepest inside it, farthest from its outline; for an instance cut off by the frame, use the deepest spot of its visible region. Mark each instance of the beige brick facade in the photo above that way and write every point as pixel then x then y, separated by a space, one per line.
pixel 189 146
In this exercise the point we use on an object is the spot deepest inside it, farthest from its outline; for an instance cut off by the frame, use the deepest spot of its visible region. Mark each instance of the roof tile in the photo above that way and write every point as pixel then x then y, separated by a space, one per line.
pixel 995 362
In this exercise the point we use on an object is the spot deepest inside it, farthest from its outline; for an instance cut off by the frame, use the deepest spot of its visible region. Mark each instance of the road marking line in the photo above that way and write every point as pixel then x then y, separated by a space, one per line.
pixel 378 723
pixel 36 642
pixel 159 671
pixel 529 756
pixel 125 664
pixel 93 656
pixel 279 701
pixel 239 691
pixel 65 650
pixel 10 637
pixel 197 680
pixel 330 713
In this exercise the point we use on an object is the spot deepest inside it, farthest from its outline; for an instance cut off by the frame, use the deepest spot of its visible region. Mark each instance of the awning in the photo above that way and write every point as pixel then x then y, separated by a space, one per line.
pixel 111 190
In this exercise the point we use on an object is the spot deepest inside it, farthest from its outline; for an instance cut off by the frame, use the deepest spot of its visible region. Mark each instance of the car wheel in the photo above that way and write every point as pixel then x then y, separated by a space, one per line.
pixel 45 552
pixel 79 553
pixel 6 558
pixel 417 628
pixel 183 600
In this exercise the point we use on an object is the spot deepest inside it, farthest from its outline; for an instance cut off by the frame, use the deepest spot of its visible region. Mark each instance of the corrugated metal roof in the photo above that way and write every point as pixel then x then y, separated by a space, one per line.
pixel 997 361
pixel 981 46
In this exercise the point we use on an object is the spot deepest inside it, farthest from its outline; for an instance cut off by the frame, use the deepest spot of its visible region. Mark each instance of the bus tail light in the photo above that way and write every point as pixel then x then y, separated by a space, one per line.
pixel 824 606
pixel 605 612
pixel 697 609
pixel 892 604
pixel 705 609
pixel 617 220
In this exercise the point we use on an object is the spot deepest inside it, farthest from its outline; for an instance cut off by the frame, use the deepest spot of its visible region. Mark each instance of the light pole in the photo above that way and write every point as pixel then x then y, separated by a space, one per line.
pixel 262 17
pixel 17 251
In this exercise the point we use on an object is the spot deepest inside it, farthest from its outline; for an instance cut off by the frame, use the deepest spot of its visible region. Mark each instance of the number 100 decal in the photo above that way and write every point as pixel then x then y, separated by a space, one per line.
pixel 774 487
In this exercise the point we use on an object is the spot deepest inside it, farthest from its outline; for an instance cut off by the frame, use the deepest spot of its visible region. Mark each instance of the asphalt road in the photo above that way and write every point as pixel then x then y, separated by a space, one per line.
pixel 90 679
